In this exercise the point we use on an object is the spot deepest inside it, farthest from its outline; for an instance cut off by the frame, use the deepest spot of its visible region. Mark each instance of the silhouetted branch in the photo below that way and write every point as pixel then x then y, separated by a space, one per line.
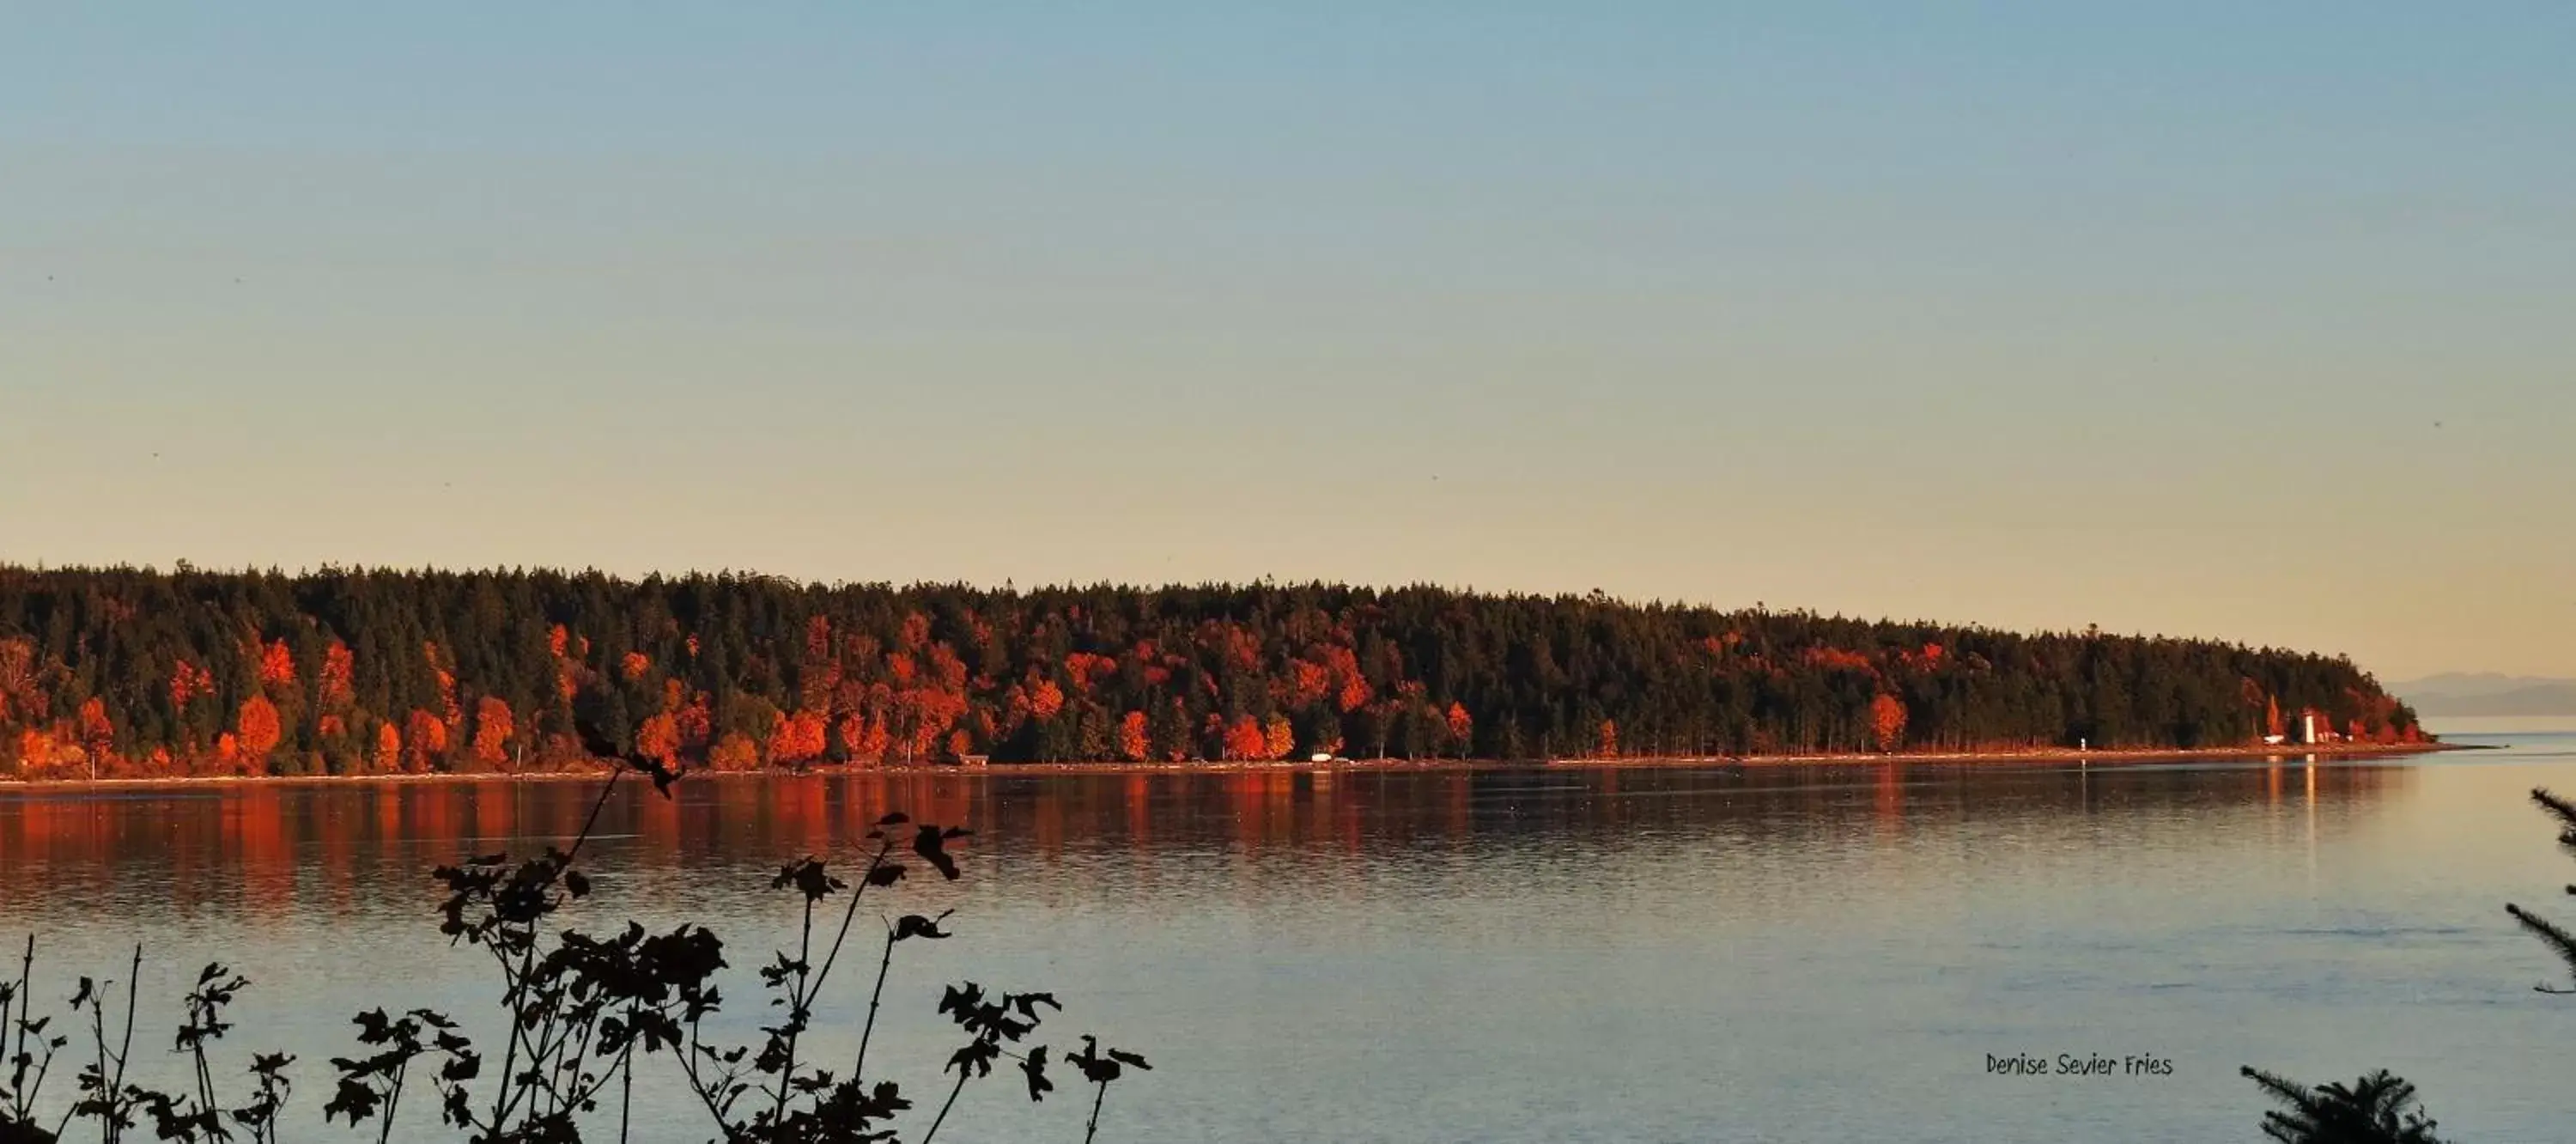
pixel 2377 1109
pixel 581 1010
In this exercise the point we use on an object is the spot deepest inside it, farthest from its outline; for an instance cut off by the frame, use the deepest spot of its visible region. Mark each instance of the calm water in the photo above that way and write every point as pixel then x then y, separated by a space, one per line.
pixel 1792 955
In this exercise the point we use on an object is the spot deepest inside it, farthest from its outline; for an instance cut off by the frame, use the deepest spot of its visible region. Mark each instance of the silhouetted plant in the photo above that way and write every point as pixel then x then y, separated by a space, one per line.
pixel 2550 934
pixel 580 1010
pixel 803 1102
pixel 583 1010
pixel 106 1097
pixel 1099 1067
pixel 196 1116
pixel 2377 1109
pixel 373 1085
pixel 991 1024
pixel 27 1066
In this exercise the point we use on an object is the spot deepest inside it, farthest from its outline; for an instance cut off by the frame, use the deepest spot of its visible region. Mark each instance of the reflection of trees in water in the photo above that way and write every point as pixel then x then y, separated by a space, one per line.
pixel 256 849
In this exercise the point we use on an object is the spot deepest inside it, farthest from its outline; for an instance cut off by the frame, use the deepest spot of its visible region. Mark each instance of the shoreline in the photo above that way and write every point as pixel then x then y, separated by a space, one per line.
pixel 2037 756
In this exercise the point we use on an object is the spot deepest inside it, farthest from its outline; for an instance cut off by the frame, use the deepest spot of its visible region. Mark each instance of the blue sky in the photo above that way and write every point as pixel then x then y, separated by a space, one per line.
pixel 2036 316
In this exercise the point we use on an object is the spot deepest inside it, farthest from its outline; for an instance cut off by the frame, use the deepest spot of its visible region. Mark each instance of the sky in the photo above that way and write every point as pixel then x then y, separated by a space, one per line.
pixel 2241 321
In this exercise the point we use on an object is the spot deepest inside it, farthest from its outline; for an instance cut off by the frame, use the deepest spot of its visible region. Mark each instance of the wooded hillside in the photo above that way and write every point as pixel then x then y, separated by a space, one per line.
pixel 370 672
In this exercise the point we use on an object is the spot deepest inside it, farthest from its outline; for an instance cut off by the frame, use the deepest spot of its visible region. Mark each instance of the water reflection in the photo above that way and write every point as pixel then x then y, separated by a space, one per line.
pixel 1531 954
pixel 264 850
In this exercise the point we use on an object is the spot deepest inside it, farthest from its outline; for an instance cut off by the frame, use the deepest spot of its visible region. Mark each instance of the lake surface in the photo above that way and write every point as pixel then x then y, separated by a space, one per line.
pixel 1790 954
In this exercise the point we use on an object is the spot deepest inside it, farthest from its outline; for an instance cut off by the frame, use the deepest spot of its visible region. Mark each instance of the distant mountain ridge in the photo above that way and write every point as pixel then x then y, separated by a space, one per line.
pixel 2488 694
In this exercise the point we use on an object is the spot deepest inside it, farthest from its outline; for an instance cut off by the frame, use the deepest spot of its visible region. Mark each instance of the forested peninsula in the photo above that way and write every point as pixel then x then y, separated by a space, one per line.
pixel 135 673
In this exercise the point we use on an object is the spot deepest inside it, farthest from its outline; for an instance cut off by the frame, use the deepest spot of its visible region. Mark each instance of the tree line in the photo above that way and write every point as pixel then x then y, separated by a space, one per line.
pixel 136 672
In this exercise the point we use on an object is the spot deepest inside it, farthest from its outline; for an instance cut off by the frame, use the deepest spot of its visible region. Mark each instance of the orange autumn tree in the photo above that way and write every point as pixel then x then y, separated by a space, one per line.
pixel 735 752
pixel 258 731
pixel 339 670
pixel 853 730
pixel 1134 744
pixel 872 742
pixel 1278 737
pixel 388 757
pixel 1462 729
pixel 424 742
pixel 1244 740
pixel 799 738
pixel 1046 700
pixel 659 739
pixel 696 724
pixel 277 665
pixel 98 734
pixel 187 682
pixel 1887 721
pixel 492 729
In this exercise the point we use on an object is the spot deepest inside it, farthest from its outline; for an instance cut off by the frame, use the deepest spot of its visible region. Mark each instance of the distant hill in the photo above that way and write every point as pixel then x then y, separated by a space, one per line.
pixel 356 672
pixel 2488 693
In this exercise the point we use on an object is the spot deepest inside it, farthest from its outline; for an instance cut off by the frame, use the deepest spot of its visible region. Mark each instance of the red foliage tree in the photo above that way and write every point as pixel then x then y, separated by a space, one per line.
pixel 1887 721
pixel 735 752
pixel 339 672
pixel 696 725
pixel 1278 737
pixel 492 730
pixel 277 665
pixel 1134 744
pixel 1244 740
pixel 1085 666
pixel 873 741
pixel 798 738
pixel 425 742
pixel 658 738
pixel 187 681
pixel 97 732
pixel 1308 683
pixel 258 730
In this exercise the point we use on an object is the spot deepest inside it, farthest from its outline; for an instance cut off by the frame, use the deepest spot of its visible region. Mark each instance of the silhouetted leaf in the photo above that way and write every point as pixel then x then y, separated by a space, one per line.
pixel 1033 1067
pixel 353 1100
pixel 929 843
pixel 914 925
